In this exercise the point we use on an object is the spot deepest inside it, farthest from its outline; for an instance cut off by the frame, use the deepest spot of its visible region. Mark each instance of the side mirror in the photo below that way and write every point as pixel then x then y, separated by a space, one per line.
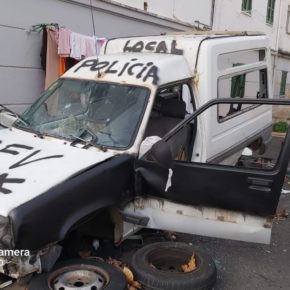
pixel 161 153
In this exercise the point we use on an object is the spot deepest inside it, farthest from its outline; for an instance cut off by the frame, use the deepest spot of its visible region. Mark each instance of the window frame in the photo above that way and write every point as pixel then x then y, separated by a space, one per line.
pixel 288 21
pixel 242 74
pixel 247 6
pixel 270 12
pixel 283 83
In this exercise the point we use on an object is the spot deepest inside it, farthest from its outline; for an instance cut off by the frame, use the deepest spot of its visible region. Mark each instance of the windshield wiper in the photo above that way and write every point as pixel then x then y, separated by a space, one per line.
pixel 88 142
pixel 21 120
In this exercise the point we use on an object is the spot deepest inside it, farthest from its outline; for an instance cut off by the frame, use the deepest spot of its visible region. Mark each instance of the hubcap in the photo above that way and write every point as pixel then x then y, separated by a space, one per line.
pixel 84 277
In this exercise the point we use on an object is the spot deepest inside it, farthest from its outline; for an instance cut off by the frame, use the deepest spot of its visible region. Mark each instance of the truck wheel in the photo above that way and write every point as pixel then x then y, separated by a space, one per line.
pixel 158 267
pixel 87 274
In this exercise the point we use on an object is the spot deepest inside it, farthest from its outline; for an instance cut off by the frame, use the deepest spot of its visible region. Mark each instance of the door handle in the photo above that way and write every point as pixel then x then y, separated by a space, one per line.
pixel 260 181
pixel 261 184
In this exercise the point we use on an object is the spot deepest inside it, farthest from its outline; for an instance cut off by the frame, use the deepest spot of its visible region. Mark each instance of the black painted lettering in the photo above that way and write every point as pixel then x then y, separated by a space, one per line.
pixel 99 65
pixel 4 179
pixel 110 69
pixel 123 69
pixel 14 152
pixel 139 75
pixel 88 63
pixel 138 46
pixel 130 69
pixel 152 73
pixel 25 161
pixel 151 45
pixel 127 48
pixel 161 47
pixel 175 50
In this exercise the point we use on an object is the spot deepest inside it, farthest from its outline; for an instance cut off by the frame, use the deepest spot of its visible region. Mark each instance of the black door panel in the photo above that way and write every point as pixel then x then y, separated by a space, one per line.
pixel 249 190
pixel 225 187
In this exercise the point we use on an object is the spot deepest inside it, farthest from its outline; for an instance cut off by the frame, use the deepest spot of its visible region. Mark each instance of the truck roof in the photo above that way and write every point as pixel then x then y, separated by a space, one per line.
pixel 216 33
pixel 149 70
pixel 157 60
pixel 186 44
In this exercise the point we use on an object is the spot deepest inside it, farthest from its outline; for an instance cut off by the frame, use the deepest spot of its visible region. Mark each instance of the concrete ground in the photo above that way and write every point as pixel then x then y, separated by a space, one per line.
pixel 252 266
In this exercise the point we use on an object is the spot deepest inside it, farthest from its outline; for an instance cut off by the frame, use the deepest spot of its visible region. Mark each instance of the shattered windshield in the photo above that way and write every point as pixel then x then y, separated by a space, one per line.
pixel 104 114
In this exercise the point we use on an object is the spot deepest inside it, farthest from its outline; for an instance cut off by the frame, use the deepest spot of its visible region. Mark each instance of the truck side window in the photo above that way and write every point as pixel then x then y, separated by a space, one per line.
pixel 245 85
pixel 172 104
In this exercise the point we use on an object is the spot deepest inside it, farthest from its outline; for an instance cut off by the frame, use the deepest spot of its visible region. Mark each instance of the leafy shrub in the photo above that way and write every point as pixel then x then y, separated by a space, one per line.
pixel 280 127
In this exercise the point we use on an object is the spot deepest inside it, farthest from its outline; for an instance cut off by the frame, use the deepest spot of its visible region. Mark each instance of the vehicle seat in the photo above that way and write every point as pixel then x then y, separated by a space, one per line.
pixel 170 113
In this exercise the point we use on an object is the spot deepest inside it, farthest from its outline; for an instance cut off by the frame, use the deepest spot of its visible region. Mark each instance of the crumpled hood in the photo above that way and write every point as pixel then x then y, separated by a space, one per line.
pixel 29 166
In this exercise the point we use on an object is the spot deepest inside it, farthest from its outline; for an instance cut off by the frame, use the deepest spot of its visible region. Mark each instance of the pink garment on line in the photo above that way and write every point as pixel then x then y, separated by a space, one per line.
pixel 75 45
pixel 52 58
pixel 82 46
pixel 99 43
pixel 64 42
pixel 88 47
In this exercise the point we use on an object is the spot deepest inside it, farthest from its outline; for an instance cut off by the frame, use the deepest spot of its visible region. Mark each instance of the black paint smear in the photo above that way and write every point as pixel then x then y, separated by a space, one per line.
pixel 14 152
pixel 22 162
pixel 175 50
pixel 123 69
pixel 152 73
pixel 110 70
pixel 151 45
pixel 161 47
pixel 130 69
pixel 4 179
pixel 87 63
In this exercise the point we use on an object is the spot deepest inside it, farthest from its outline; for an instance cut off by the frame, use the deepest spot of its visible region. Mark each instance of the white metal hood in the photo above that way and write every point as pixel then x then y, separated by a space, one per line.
pixel 29 166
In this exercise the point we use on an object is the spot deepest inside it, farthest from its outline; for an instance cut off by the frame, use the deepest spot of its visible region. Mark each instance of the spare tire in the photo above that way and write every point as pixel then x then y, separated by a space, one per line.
pixel 158 267
pixel 81 274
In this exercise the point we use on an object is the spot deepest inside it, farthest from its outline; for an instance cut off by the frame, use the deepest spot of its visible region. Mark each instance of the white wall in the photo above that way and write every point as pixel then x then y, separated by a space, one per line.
pixel 21 76
pixel 228 16
pixel 182 10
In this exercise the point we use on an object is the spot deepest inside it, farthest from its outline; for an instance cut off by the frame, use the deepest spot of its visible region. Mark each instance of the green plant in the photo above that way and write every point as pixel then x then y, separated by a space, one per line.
pixel 280 127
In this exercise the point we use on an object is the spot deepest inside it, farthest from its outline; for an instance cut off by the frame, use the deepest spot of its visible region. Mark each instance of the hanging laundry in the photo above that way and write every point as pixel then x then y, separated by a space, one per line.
pixel 43 49
pixel 99 43
pixel 64 42
pixel 62 66
pixel 88 46
pixel 52 58
pixel 76 45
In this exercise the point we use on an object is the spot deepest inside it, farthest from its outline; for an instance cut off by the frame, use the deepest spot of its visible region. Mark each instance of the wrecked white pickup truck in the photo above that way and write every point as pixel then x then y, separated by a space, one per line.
pixel 80 160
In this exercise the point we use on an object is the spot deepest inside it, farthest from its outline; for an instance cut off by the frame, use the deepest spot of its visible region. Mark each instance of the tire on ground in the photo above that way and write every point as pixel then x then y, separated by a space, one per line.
pixel 152 266
pixel 116 279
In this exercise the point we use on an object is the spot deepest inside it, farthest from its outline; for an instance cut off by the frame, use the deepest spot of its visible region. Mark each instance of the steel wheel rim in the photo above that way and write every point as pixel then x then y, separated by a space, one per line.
pixel 81 277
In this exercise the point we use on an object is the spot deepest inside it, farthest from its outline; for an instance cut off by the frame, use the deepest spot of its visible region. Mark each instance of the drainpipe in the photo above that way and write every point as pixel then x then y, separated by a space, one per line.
pixel 212 14
pixel 277 45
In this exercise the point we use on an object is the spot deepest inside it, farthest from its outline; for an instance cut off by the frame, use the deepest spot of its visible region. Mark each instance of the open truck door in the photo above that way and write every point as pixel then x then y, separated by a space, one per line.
pixel 236 202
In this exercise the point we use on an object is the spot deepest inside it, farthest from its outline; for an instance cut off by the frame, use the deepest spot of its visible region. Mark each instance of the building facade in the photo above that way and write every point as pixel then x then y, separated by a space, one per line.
pixel 269 16
pixel 21 74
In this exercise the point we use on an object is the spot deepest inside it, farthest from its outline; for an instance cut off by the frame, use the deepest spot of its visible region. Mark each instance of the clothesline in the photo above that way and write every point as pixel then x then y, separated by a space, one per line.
pixel 63 48
pixel 78 46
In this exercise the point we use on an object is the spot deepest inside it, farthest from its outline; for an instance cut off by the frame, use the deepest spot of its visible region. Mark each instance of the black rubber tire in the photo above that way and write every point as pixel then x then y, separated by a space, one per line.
pixel 117 280
pixel 152 278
